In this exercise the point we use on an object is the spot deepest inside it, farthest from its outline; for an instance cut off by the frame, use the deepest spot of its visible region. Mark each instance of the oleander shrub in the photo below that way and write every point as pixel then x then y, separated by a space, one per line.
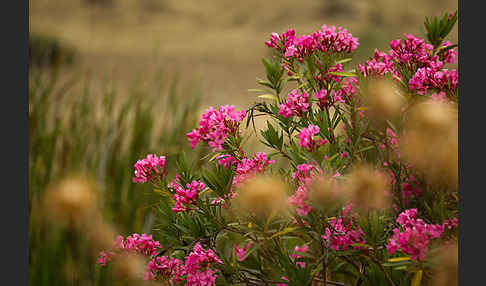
pixel 358 184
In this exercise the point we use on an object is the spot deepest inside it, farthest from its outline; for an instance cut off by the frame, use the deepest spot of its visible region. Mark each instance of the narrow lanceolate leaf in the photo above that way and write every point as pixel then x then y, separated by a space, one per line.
pixel 363 245
pixel 255 90
pixel 342 73
pixel 366 148
pixel 163 192
pixel 214 157
pixel 343 61
pixel 269 96
pixel 417 278
pixel 397 259
pixel 284 231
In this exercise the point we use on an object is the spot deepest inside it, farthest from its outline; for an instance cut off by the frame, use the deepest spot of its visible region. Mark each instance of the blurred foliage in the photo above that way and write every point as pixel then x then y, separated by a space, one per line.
pixel 78 128
pixel 47 51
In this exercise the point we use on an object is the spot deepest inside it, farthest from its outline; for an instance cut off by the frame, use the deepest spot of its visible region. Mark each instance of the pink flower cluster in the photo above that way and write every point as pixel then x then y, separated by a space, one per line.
pixel 216 125
pixel 165 268
pixel 195 271
pixel 245 169
pixel 340 236
pixel 226 160
pixel 304 174
pixel 416 55
pixel 184 197
pixel 295 104
pixel 413 235
pixel 433 77
pixel 328 39
pixel 449 56
pixel 149 169
pixel 141 244
pixel 306 138
pixel 241 251
pixel 249 167
pixel 411 50
pixel 300 199
pixel 295 255
pixel 345 89
pixel 439 97
pixel 381 64
pixel 411 188
pixel 198 266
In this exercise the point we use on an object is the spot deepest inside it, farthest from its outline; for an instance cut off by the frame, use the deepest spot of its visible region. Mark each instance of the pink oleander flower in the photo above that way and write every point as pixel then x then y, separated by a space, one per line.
pixel 241 251
pixel 198 266
pixel 306 138
pixel 281 42
pixel 327 39
pixel 249 167
pixel 226 160
pixel 381 64
pixel 454 222
pixel 411 50
pixel 283 278
pixel 344 237
pixel 103 258
pixel 449 56
pixel 433 77
pixel 413 235
pixel 301 201
pixel 295 255
pixel 304 174
pixel 295 105
pixel 439 97
pixel 141 244
pixel 331 77
pixel 150 169
pixel 216 125
pixel 411 188
pixel 196 270
pixel 347 85
pixel 348 210
pixel 165 268
pixel 185 197
pixel 322 97
pixel 332 39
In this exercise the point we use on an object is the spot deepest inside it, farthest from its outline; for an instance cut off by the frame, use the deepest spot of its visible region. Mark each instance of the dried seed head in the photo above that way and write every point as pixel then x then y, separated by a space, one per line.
pixel 382 101
pixel 447 267
pixel 130 266
pixel 366 188
pixel 324 190
pixel 430 142
pixel 262 195
pixel 433 119
pixel 71 200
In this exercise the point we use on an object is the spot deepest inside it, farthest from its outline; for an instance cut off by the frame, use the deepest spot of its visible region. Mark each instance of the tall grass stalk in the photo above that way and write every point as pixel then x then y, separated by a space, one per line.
pixel 100 132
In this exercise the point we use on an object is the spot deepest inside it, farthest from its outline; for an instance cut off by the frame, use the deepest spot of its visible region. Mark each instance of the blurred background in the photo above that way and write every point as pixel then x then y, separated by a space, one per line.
pixel 114 80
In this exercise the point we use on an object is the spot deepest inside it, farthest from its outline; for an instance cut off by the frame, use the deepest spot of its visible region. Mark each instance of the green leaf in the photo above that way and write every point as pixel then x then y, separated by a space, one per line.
pixel 343 61
pixel 342 73
pixel 284 231
pixel 397 259
pixel 417 278
pixel 269 96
